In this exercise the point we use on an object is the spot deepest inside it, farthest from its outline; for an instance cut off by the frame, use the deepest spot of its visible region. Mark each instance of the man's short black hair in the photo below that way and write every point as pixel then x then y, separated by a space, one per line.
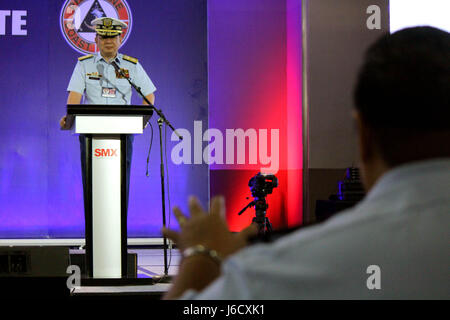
pixel 402 90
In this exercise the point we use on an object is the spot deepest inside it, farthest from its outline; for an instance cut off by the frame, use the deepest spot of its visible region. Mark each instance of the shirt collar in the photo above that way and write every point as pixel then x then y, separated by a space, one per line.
pixel 403 176
pixel 99 58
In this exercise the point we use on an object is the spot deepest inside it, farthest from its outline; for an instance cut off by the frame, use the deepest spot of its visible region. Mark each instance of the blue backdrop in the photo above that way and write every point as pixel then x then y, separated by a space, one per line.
pixel 40 175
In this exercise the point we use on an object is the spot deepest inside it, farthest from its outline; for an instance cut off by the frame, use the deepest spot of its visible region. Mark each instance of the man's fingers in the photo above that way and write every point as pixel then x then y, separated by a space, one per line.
pixel 172 235
pixel 250 231
pixel 181 218
pixel 195 207
pixel 218 206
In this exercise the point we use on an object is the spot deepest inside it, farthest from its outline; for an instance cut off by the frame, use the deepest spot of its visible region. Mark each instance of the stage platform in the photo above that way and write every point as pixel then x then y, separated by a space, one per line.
pixel 139 242
pixel 154 290
pixel 148 284
pixel 150 265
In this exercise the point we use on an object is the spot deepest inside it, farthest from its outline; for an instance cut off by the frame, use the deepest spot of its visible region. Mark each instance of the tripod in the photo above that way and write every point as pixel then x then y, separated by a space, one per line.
pixel 264 225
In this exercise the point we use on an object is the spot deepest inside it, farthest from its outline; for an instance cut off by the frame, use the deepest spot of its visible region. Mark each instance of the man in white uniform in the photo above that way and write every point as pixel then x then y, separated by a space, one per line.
pixel 95 78
pixel 394 243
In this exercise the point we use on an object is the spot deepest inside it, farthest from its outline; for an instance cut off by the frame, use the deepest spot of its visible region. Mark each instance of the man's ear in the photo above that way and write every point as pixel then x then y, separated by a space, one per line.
pixel 365 138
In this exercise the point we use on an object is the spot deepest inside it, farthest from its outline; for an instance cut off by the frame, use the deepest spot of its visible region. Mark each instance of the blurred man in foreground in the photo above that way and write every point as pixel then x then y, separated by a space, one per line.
pixel 394 243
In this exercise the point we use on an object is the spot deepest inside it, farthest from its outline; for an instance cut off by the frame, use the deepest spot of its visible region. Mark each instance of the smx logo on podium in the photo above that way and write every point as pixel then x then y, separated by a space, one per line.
pixel 76 17
pixel 105 153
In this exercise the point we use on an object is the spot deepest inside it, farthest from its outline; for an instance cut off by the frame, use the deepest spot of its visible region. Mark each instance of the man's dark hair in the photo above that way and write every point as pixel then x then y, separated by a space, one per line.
pixel 403 94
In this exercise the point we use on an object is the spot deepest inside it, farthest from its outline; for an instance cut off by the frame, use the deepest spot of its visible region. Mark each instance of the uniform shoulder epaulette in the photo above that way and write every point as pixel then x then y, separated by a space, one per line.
pixel 131 59
pixel 85 57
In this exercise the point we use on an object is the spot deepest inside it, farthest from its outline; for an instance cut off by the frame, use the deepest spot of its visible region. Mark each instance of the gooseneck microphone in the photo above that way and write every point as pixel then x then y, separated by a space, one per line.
pixel 138 89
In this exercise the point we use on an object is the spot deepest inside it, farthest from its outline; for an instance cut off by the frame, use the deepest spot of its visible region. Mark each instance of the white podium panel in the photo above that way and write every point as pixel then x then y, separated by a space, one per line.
pixel 85 124
pixel 106 207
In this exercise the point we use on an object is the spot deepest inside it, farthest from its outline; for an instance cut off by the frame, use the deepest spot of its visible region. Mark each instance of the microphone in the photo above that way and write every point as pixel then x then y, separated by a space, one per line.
pixel 114 64
pixel 138 89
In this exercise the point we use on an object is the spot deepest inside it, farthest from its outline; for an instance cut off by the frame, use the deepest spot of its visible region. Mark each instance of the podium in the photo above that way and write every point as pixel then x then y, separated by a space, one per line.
pixel 105 129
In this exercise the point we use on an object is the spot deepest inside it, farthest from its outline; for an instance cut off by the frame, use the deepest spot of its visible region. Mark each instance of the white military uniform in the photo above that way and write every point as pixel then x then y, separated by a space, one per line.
pixel 100 83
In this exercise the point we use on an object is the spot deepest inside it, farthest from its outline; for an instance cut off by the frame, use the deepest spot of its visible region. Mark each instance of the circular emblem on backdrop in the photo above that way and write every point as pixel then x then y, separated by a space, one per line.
pixel 76 17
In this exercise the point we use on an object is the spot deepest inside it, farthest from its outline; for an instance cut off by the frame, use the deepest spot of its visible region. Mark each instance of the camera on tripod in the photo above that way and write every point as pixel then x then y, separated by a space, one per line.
pixel 261 185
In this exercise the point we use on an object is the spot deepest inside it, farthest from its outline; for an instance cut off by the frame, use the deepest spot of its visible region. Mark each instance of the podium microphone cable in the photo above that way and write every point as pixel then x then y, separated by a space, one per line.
pixel 167 180
pixel 150 148
pixel 168 194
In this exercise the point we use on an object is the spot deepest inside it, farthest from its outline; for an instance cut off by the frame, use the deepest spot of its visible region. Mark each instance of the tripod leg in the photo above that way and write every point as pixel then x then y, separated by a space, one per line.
pixel 268 225
pixel 261 227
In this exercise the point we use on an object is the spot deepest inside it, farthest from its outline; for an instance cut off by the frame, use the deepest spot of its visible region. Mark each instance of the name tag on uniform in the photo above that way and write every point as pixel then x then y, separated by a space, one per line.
pixel 108 92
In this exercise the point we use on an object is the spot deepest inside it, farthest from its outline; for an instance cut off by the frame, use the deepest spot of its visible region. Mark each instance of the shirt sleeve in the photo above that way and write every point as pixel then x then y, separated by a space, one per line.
pixel 77 81
pixel 143 81
pixel 231 285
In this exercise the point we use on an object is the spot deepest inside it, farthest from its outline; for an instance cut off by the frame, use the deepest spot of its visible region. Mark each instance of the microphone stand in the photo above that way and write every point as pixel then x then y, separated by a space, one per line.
pixel 162 119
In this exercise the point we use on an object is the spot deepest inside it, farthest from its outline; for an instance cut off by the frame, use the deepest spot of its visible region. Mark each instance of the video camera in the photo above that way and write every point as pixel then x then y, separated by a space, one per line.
pixel 261 185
